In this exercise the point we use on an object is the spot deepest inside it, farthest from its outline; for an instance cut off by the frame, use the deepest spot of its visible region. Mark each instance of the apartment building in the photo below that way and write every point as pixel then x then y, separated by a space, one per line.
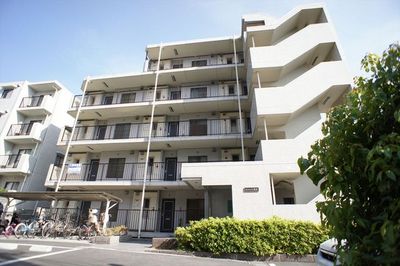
pixel 211 127
pixel 32 115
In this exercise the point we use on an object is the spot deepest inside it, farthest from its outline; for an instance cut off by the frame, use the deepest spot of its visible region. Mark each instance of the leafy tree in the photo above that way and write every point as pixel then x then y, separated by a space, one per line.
pixel 357 163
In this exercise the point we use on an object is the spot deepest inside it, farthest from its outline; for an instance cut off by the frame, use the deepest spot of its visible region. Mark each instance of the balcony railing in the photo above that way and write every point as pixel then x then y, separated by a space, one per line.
pixel 197 61
pixel 156 171
pixel 20 129
pixel 198 127
pixel 33 101
pixel 139 96
pixel 9 161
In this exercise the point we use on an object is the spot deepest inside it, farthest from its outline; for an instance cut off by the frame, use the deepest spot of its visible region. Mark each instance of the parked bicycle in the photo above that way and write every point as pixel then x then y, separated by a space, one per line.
pixel 27 230
pixel 87 231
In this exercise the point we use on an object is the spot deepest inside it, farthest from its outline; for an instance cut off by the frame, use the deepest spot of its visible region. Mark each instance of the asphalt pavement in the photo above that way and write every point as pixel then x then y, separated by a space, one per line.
pixel 26 252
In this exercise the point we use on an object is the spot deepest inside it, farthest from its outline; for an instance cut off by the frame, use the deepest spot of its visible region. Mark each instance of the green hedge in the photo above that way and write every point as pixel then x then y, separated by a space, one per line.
pixel 260 238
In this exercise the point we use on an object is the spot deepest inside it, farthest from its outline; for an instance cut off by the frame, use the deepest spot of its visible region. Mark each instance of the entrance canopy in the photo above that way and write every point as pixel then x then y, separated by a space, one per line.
pixel 64 195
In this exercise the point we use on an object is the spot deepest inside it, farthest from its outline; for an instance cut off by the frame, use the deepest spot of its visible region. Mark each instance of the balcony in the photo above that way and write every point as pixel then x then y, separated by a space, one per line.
pixel 14 164
pixel 196 61
pixel 195 98
pixel 25 133
pixel 178 134
pixel 36 105
pixel 119 174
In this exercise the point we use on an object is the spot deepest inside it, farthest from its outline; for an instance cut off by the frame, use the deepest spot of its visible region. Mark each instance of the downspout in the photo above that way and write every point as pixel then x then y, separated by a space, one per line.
pixel 148 144
pixel 238 99
pixel 72 135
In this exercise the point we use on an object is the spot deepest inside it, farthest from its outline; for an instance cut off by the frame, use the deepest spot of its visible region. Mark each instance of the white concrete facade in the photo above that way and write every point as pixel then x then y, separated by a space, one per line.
pixel 33 114
pixel 215 126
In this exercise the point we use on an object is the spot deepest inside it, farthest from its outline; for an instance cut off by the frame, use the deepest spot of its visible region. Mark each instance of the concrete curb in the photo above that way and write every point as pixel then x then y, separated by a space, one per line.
pixel 31 247
pixel 244 257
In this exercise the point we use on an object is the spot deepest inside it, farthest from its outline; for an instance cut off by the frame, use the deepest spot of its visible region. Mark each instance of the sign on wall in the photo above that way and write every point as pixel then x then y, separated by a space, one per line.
pixel 250 190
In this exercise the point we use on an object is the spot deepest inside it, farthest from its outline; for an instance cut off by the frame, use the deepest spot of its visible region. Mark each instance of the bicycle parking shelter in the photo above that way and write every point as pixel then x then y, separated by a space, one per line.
pixel 111 200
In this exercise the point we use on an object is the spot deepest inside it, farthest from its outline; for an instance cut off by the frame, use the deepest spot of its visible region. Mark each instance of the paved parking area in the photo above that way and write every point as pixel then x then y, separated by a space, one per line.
pixel 49 253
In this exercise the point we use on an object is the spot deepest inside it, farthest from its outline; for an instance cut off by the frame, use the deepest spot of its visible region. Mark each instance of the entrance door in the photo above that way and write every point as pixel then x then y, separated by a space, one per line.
pixel 173 129
pixel 83 216
pixel 170 169
pixel 93 169
pixel 167 215
pixel 101 132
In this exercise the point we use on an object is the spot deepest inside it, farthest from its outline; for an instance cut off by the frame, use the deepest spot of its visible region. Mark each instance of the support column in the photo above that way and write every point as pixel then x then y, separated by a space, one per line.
pixel 265 129
pixel 106 215
pixel 272 190
pixel 207 207
pixel 238 98
pixel 258 79
pixel 149 142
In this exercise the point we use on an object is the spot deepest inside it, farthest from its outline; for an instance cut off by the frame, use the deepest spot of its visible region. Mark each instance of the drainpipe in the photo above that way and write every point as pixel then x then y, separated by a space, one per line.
pixel 238 98
pixel 148 143
pixel 70 139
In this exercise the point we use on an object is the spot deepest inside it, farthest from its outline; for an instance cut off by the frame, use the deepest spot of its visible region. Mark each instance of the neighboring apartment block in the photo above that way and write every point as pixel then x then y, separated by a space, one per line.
pixel 227 119
pixel 31 118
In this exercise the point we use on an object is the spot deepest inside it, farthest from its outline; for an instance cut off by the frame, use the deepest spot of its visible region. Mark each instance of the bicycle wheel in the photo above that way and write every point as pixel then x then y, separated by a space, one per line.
pixel 47 228
pixel 8 231
pixel 68 231
pixel 83 232
pixel 92 232
pixel 20 230
pixel 32 229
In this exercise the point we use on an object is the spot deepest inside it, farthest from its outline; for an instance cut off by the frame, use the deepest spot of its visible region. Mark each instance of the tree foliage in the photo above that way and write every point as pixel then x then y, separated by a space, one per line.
pixel 357 163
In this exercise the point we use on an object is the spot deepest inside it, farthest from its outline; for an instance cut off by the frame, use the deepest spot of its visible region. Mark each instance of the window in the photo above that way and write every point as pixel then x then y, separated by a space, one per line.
pixel 11 186
pixel 199 63
pixel 107 99
pixel 231 89
pixel 59 160
pixel 113 212
pixel 161 66
pixel 244 92
pixel 6 93
pixel 198 127
pixel 229 60
pixel 230 206
pixel 235 157
pixel 288 200
pixel 197 159
pixel 116 168
pixel 146 203
pixel 128 98
pixel 122 131
pixel 199 92
pixel 195 209
pixel 177 63
pixel 158 95
pixel 175 95
pixel 234 127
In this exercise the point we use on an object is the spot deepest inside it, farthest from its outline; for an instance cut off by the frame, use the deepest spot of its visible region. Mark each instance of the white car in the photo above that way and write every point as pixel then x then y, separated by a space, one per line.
pixel 327 253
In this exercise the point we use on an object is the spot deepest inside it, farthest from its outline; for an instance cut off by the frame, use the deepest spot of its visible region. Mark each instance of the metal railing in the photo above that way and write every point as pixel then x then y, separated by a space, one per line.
pixel 155 220
pixel 9 161
pixel 196 61
pixel 139 96
pixel 20 129
pixel 99 172
pixel 33 101
pixel 198 127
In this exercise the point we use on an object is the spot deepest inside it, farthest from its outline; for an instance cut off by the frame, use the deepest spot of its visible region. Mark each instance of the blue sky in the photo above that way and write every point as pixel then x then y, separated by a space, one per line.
pixel 67 40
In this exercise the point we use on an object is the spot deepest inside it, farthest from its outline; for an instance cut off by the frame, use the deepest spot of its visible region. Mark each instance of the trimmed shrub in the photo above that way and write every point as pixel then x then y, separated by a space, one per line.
pixel 260 238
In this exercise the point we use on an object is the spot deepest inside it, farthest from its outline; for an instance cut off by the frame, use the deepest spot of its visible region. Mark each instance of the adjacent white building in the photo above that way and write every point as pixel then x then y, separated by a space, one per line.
pixel 225 119
pixel 32 115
